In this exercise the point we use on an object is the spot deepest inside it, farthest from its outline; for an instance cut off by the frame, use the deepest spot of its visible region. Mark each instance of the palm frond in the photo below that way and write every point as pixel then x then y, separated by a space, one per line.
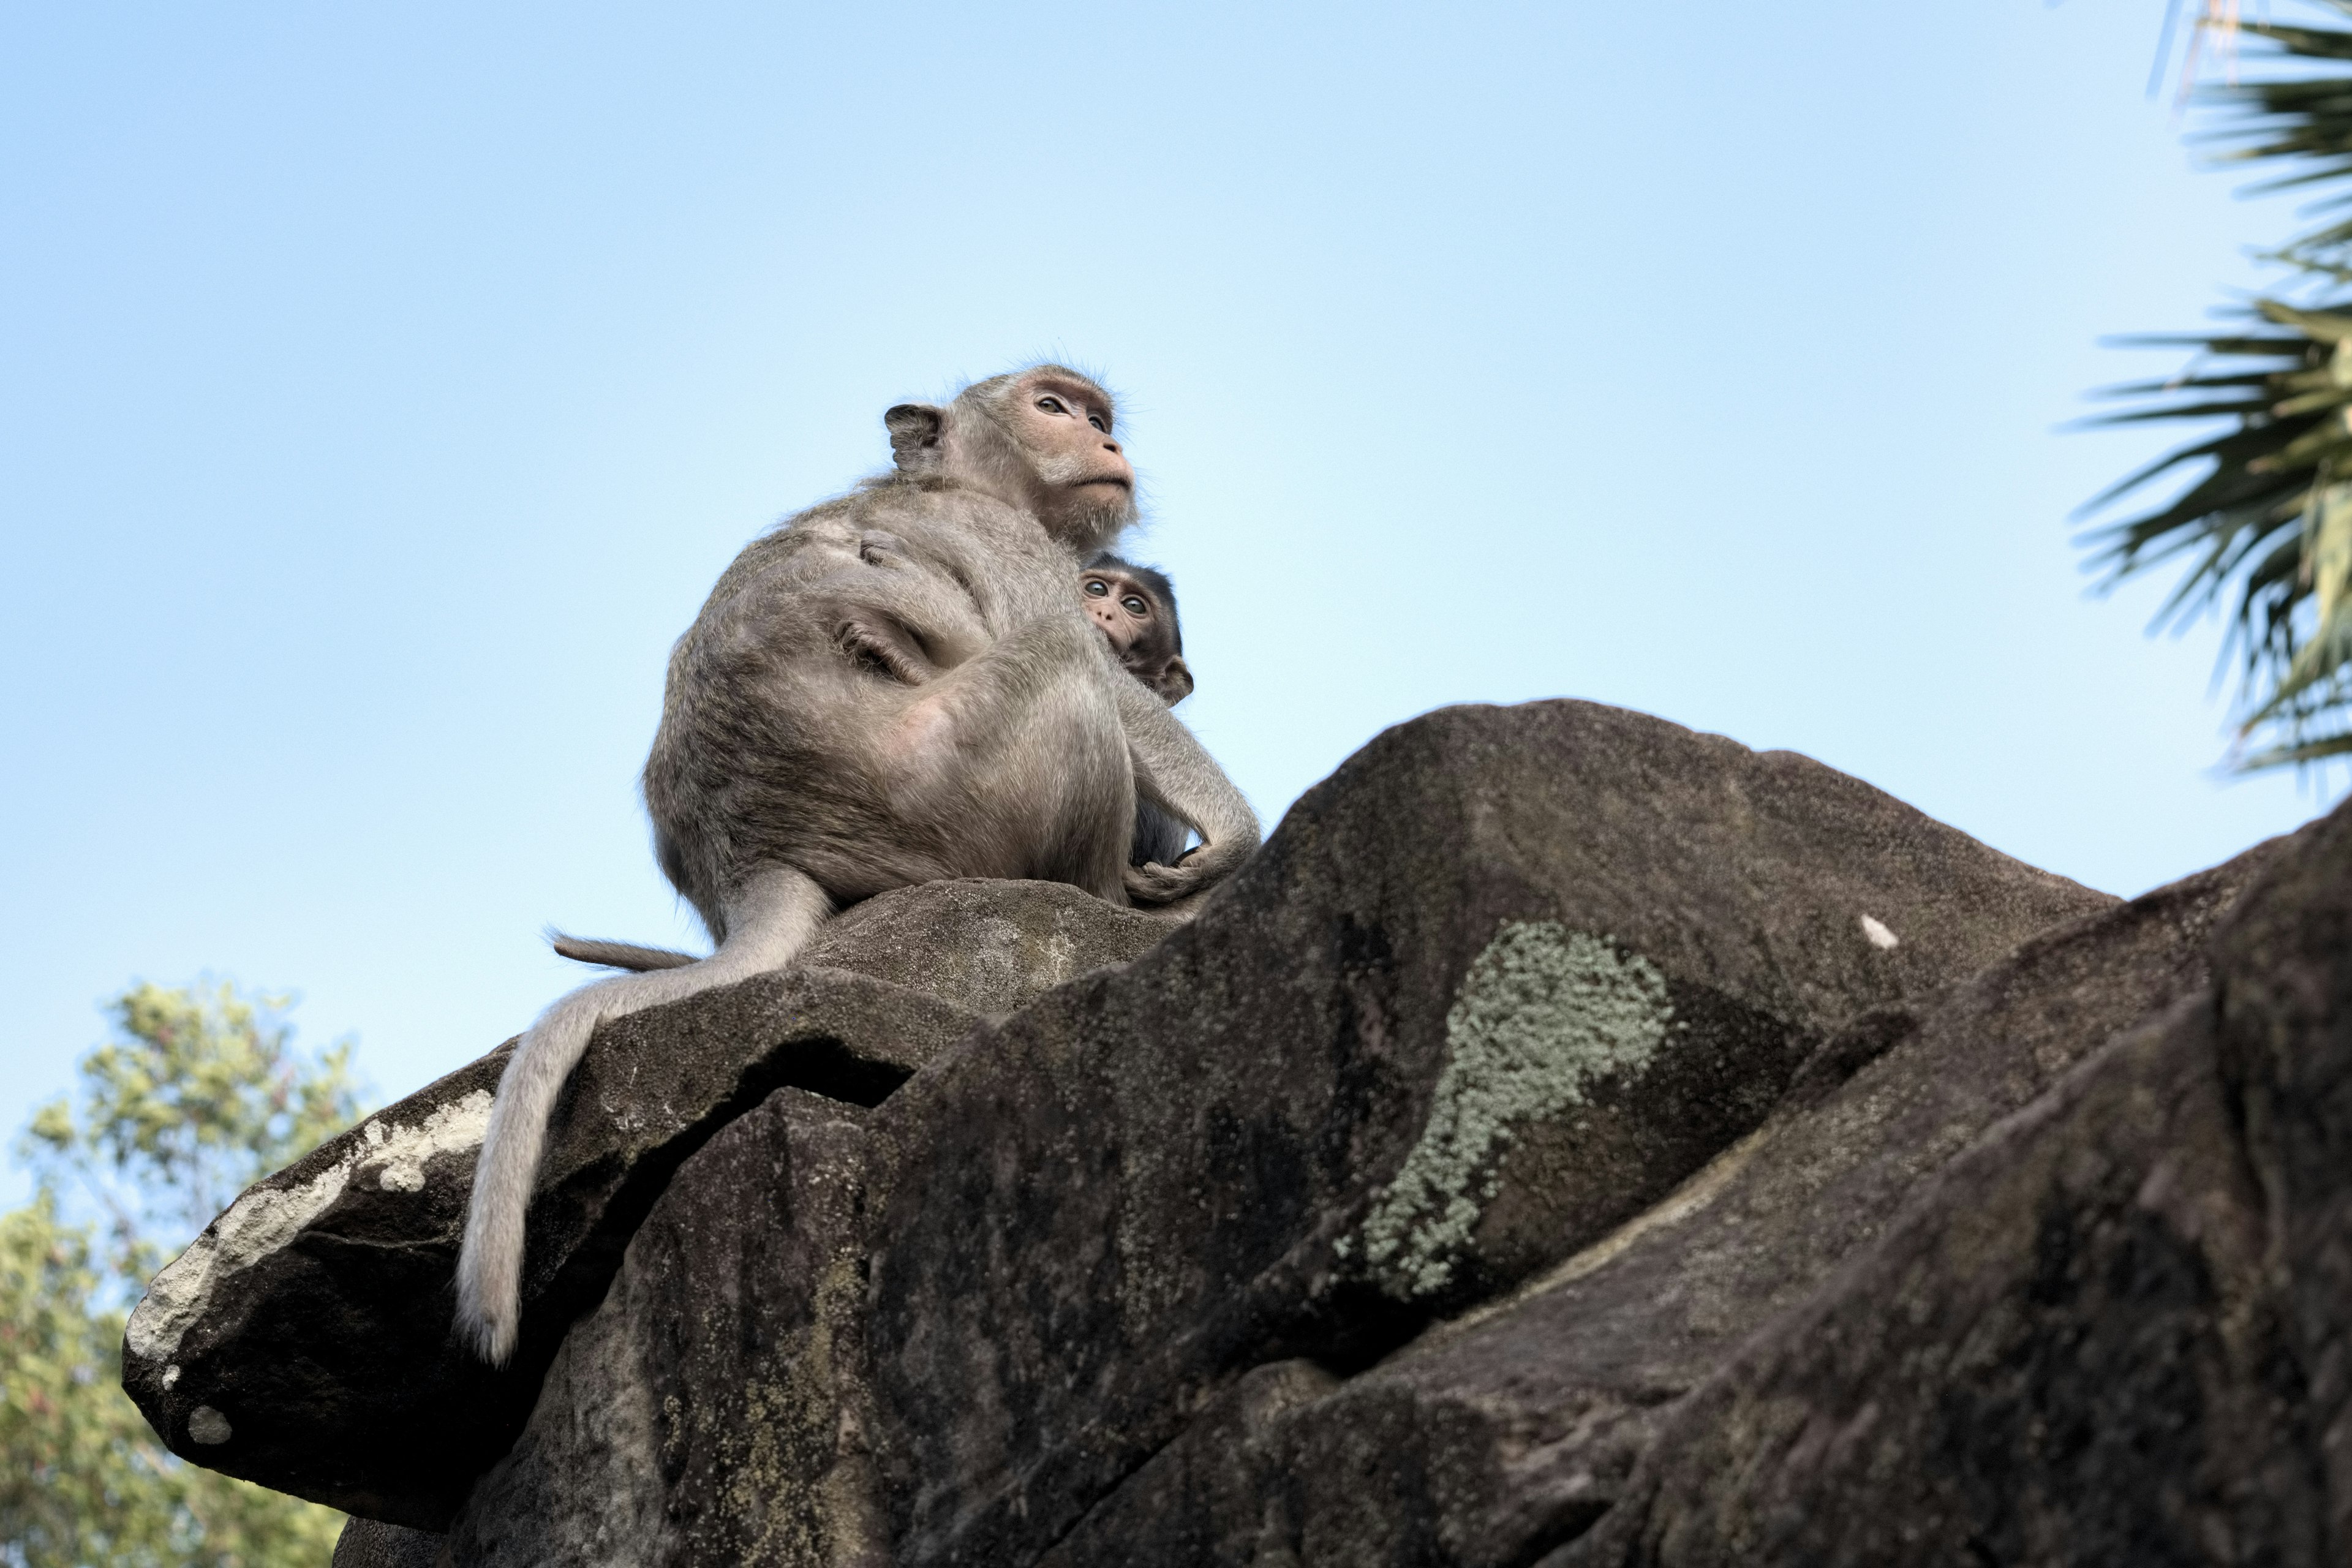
pixel 2263 517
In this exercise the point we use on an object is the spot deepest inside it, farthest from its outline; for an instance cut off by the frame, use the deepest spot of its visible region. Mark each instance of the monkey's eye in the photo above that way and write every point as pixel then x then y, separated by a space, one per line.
pixel 1051 406
pixel 1095 420
pixel 1097 587
pixel 1135 606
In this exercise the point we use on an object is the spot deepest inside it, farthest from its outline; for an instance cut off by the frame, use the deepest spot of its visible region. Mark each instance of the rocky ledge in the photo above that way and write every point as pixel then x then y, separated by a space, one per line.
pixel 1573 1140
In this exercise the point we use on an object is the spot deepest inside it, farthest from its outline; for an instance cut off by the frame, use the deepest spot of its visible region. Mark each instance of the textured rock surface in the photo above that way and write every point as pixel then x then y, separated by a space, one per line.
pixel 2113 1332
pixel 1513 1428
pixel 1505 980
pixel 1573 1141
pixel 1497 986
pixel 370 1543
pixel 710 1411
pixel 990 948
pixel 308 1327
pixel 2065 1352
pixel 2285 1024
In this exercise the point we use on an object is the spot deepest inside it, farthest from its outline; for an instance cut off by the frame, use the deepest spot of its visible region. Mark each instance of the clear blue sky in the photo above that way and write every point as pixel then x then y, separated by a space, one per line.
pixel 383 388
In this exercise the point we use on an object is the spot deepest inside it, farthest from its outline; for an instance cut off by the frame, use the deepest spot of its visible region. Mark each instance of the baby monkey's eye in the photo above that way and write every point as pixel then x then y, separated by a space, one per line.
pixel 1095 420
pixel 1135 606
pixel 1097 587
pixel 1051 406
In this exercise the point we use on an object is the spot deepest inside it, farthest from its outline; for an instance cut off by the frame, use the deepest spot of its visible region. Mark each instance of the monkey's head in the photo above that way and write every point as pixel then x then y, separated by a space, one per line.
pixel 1038 438
pixel 1135 606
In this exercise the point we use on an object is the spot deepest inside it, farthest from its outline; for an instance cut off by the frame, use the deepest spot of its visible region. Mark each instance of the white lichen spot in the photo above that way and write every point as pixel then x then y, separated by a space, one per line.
pixel 207 1425
pixel 1543 1014
pixel 170 1375
pixel 401 1152
pixel 1880 937
pixel 266 1218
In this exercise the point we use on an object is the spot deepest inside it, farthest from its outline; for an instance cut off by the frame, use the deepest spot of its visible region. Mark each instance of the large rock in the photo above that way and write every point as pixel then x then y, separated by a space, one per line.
pixel 2113 1332
pixel 1494 989
pixel 304 1340
pixel 1513 1428
pixel 711 1410
pixel 372 1544
pixel 2285 1025
pixel 1491 991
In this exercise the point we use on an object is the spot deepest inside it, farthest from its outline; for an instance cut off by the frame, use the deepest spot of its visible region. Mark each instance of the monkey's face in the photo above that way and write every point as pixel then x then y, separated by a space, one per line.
pixel 1085 481
pixel 1040 440
pixel 1125 611
pixel 1140 631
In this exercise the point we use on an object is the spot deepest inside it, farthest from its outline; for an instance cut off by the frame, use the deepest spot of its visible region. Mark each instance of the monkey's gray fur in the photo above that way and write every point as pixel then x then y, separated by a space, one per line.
pixel 893 687
pixel 617 954
pixel 1159 838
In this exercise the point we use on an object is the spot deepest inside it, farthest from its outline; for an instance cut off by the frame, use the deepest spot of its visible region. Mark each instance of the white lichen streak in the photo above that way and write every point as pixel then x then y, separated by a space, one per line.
pixel 1543 1014
pixel 1875 931
pixel 390 1155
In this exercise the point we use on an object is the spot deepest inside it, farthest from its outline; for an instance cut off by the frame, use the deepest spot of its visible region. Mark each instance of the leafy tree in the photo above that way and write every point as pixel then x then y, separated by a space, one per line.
pixel 2265 525
pixel 199 1091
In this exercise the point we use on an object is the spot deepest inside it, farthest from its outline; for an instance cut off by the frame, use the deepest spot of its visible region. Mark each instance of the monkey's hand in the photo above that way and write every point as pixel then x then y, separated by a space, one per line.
pixel 1201 867
pixel 1175 774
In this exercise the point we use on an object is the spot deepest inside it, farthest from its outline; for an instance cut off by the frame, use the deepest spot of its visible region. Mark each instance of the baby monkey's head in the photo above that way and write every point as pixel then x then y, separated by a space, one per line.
pixel 1135 606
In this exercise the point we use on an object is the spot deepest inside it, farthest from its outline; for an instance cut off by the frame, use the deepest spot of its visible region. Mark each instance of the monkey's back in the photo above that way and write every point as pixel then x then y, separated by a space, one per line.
pixel 768 745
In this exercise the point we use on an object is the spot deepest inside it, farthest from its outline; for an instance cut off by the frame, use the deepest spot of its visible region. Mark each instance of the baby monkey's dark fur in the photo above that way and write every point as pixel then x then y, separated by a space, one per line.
pixel 1155 658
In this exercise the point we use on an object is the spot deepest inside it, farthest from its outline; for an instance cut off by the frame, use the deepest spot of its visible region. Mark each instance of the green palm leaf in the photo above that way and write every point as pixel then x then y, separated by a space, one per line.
pixel 2264 518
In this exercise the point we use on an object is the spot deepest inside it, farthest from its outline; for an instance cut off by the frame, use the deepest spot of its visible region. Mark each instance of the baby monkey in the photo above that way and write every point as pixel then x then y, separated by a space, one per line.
pixel 1135 606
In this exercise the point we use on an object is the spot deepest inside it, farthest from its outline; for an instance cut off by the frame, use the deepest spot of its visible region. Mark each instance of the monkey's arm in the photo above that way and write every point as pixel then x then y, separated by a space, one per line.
pixel 1173 771
pixel 1014 760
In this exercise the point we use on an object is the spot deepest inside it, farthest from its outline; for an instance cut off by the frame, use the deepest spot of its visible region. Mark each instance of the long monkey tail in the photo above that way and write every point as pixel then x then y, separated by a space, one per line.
pixel 768 921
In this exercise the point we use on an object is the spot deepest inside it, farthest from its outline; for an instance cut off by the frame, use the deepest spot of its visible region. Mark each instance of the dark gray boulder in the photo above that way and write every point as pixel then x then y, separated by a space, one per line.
pixel 370 1544
pixel 1561 956
pixel 712 1409
pixel 2067 1351
pixel 1512 1428
pixel 304 1340
pixel 2111 1332
pixel 1573 1139
pixel 1495 989
pixel 2285 1030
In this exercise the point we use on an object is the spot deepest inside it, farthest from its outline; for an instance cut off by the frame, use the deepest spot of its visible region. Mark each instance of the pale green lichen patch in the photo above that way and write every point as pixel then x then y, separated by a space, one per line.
pixel 1543 1014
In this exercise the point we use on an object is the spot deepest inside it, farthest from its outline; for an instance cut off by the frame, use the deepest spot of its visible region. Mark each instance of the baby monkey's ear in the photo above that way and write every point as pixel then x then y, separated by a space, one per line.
pixel 915 429
pixel 1174 681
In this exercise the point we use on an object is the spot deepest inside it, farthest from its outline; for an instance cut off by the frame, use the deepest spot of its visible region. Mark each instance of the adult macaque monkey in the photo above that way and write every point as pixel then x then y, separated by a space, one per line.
pixel 893 687
pixel 1134 607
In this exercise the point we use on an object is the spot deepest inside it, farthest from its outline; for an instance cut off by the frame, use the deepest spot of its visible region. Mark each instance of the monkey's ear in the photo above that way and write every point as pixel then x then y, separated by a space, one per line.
pixel 1175 682
pixel 915 429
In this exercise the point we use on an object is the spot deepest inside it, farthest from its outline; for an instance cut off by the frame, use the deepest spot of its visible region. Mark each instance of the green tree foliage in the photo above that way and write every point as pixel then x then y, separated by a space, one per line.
pixel 2265 525
pixel 199 1092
